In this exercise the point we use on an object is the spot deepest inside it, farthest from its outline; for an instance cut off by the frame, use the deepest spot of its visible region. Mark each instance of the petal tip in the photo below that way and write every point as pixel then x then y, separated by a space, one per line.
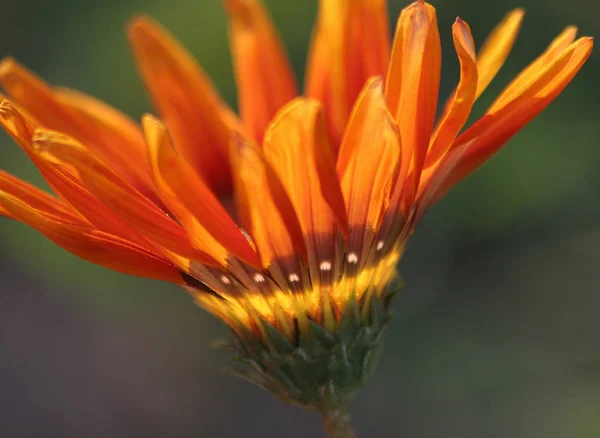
pixel 7 65
pixel 374 83
pixel 149 120
pixel 234 7
pixel 517 13
pixel 140 26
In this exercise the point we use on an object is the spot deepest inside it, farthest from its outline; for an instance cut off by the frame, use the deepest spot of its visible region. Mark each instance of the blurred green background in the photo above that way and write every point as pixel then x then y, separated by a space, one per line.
pixel 495 335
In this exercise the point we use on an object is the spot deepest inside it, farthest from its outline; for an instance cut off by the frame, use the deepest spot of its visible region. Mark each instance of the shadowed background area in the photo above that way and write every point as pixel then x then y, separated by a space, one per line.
pixel 495 334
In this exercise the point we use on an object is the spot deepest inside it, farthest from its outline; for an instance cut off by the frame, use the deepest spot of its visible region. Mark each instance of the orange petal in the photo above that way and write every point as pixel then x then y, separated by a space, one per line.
pixel 459 107
pixel 49 109
pixel 93 245
pixel 554 50
pixel 367 166
pixel 487 135
pixel 35 197
pixel 5 213
pixel 263 73
pixel 118 129
pixel 496 48
pixel 296 146
pixel 265 211
pixel 126 202
pixel 350 43
pixel 199 121
pixel 194 203
pixel 61 178
pixel 412 87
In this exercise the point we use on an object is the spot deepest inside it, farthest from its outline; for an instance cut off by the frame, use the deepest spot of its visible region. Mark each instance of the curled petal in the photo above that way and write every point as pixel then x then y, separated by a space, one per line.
pixel 264 76
pixel 198 120
pixel 459 106
pixel 494 129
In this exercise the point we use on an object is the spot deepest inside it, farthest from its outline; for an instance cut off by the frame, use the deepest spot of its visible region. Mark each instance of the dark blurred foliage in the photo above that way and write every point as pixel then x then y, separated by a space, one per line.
pixel 495 335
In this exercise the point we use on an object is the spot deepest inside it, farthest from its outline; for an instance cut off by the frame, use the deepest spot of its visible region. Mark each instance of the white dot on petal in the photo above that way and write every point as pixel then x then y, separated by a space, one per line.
pixel 352 258
pixel 379 245
pixel 259 278
pixel 225 280
pixel 294 278
pixel 325 266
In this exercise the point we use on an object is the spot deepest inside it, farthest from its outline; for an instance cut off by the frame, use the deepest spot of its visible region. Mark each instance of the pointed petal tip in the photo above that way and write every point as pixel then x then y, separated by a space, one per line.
pixel 589 42
pixel 149 121
pixel 375 83
pixel 571 29
pixel 516 14
pixel 6 64
pixel 138 23
pixel 237 7
pixel 586 42
pixel 141 28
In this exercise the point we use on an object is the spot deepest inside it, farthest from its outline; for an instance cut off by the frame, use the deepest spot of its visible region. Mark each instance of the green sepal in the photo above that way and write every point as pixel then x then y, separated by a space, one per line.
pixel 322 370
pixel 321 335
pixel 350 321
pixel 275 339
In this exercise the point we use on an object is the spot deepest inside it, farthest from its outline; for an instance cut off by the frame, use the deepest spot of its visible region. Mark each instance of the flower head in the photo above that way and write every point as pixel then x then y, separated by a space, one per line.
pixel 328 187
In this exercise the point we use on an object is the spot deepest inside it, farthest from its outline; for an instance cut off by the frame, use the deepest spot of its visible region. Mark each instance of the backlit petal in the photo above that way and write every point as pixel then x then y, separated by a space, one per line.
pixel 265 80
pixel 93 245
pixel 35 197
pixel 459 106
pixel 127 203
pixel 350 43
pixel 488 134
pixel 266 212
pixel 198 120
pixel 62 179
pixel 118 129
pixel 368 166
pixel 554 50
pixel 412 88
pixel 496 48
pixel 194 203
pixel 296 146
pixel 49 110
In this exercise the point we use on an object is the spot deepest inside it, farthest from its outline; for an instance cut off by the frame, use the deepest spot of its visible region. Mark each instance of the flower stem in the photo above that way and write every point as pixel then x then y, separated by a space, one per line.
pixel 337 423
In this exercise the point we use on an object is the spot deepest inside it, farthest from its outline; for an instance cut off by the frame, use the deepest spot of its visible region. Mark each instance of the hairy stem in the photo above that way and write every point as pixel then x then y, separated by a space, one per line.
pixel 337 424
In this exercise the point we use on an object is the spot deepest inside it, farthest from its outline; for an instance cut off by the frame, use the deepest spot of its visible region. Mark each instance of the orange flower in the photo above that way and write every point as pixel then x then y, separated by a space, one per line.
pixel 328 187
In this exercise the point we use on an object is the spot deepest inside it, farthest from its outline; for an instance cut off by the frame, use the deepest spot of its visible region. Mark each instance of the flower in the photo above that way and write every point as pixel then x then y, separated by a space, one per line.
pixel 328 188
